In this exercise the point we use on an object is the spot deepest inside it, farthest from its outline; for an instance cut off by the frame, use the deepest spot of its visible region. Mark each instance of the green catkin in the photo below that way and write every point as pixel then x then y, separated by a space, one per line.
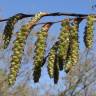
pixel 73 51
pixel 51 60
pixel 18 48
pixel 88 35
pixel 56 69
pixel 63 42
pixel 9 28
pixel 40 51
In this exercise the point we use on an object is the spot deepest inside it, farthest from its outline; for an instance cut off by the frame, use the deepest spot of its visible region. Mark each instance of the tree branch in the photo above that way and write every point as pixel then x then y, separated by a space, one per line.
pixel 54 14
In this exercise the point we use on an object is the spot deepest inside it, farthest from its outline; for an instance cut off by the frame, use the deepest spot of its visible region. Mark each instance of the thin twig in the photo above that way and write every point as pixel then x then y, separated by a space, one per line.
pixel 93 81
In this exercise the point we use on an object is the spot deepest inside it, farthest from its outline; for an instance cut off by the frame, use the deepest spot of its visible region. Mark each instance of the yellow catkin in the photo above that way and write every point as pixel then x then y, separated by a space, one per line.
pixel 9 28
pixel 19 47
pixel 40 51
pixel 63 42
pixel 51 60
pixel 88 34
pixel 73 54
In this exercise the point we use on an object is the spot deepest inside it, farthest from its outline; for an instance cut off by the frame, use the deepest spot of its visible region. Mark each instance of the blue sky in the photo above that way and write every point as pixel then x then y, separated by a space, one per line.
pixel 11 7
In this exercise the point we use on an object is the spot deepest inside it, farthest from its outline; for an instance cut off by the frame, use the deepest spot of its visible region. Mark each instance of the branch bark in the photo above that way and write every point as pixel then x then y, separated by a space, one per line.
pixel 54 14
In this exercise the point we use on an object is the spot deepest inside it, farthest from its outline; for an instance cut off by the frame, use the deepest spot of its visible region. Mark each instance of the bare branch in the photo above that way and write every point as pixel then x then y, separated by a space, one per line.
pixel 54 14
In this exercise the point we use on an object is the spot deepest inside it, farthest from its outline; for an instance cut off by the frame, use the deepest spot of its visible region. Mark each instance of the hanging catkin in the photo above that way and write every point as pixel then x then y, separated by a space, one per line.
pixel 56 69
pixel 88 35
pixel 51 60
pixel 19 47
pixel 9 28
pixel 73 54
pixel 40 51
pixel 63 42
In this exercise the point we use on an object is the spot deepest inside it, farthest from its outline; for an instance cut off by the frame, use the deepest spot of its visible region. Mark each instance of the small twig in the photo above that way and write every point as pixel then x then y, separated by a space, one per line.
pixel 24 16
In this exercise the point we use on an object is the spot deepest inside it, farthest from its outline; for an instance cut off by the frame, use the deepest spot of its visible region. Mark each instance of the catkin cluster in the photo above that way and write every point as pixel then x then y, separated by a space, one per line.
pixel 64 54
pixel 63 42
pixel 40 51
pixel 88 34
pixel 72 55
pixel 9 28
pixel 18 48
